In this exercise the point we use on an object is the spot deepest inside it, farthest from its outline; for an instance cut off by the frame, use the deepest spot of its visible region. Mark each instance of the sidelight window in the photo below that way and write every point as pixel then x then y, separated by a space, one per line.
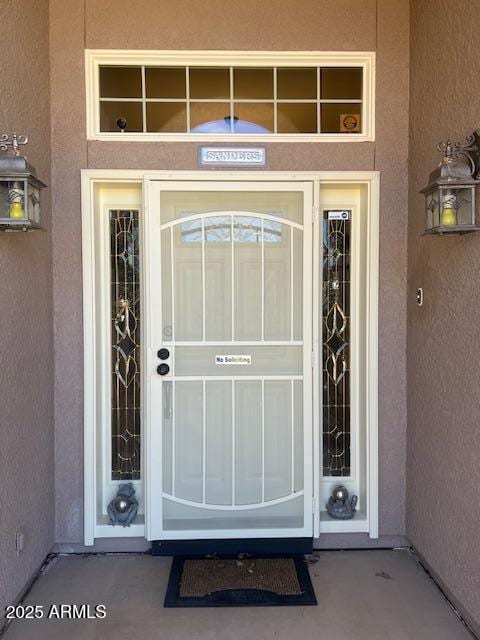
pixel 125 344
pixel 336 343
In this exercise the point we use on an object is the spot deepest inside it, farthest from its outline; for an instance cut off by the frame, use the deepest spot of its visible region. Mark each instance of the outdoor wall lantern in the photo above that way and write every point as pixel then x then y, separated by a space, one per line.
pixel 19 188
pixel 450 196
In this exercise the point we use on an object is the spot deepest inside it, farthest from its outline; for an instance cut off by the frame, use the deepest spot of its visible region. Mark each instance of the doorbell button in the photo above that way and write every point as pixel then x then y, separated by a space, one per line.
pixel 163 354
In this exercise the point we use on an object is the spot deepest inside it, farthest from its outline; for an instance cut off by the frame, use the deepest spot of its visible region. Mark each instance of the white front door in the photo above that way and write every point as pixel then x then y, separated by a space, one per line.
pixel 228 394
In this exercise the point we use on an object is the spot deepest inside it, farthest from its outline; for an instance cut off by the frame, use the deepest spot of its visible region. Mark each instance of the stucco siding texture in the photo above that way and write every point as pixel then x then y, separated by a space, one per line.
pixel 27 496
pixel 443 345
pixel 328 25
pixel 391 158
pixel 251 25
pixel 69 156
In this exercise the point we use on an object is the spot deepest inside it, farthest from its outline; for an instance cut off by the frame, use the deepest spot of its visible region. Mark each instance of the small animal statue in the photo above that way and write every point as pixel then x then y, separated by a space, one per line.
pixel 340 506
pixel 123 508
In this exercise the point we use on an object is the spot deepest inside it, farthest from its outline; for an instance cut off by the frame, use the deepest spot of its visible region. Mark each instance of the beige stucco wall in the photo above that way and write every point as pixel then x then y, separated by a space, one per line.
pixel 443 344
pixel 26 373
pixel 225 24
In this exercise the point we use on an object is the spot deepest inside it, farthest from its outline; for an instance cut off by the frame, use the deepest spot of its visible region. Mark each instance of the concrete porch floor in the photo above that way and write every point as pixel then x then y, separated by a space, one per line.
pixel 354 603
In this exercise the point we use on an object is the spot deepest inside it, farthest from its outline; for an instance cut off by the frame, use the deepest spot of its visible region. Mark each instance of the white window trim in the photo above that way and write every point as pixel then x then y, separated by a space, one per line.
pixel 94 58
pixel 92 528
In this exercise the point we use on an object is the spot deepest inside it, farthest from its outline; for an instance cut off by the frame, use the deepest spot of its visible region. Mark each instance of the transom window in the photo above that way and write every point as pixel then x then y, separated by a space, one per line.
pixel 153 95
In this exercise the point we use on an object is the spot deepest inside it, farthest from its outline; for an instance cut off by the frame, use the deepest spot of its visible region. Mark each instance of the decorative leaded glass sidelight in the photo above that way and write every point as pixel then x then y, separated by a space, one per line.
pixel 336 342
pixel 125 335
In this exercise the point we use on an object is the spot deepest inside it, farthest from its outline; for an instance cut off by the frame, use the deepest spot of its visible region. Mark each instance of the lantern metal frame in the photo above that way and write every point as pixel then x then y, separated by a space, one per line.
pixel 20 189
pixel 450 197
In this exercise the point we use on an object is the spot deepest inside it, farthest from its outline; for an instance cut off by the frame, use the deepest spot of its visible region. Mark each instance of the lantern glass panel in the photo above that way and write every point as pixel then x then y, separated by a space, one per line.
pixel 457 206
pixel 12 199
pixel 432 209
pixel 4 199
pixel 34 204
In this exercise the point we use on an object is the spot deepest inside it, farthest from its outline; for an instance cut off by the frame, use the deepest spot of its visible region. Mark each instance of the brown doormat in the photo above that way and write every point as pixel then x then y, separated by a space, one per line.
pixel 231 581
pixel 203 577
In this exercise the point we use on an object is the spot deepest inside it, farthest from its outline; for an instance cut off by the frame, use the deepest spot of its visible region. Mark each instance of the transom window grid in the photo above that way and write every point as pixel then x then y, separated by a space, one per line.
pixel 312 114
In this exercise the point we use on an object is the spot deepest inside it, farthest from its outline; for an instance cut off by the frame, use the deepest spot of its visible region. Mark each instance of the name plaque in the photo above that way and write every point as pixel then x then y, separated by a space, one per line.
pixel 232 156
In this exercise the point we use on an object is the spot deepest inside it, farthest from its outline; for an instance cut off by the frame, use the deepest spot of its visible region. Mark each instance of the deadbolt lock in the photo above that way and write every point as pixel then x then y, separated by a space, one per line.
pixel 163 369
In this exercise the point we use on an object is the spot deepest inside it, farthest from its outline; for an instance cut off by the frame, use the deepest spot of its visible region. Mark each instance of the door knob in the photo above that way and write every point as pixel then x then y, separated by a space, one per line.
pixel 163 369
pixel 163 353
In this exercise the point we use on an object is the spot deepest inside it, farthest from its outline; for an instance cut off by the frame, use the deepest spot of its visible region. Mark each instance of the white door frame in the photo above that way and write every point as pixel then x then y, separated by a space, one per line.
pixel 93 528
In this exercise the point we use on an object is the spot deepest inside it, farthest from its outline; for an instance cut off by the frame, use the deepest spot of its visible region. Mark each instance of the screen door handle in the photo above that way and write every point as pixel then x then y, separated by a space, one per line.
pixel 167 401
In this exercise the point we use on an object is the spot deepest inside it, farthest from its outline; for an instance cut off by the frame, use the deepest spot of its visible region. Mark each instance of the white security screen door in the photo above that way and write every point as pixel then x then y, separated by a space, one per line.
pixel 228 397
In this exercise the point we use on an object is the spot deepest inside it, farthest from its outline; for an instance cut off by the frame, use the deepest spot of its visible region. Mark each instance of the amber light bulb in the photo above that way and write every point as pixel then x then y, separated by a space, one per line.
pixel 449 217
pixel 16 209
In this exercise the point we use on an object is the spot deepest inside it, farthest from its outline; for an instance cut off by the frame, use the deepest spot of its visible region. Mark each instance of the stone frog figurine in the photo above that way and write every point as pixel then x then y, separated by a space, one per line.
pixel 340 506
pixel 123 508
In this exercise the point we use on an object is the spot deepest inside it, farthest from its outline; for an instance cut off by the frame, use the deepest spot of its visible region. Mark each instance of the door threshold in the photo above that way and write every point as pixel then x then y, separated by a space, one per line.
pixel 256 546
